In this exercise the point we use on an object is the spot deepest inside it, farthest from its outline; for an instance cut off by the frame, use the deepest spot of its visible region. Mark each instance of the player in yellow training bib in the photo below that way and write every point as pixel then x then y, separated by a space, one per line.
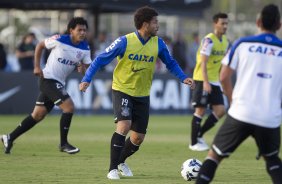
pixel 206 76
pixel 136 53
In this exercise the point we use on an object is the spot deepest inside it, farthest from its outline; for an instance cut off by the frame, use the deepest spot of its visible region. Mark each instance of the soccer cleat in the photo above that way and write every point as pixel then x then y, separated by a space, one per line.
pixel 124 170
pixel 202 141
pixel 68 148
pixel 113 175
pixel 198 147
pixel 7 144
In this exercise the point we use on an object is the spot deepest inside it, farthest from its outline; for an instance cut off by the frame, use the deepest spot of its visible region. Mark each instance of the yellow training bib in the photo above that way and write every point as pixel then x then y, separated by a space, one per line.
pixel 133 74
pixel 214 62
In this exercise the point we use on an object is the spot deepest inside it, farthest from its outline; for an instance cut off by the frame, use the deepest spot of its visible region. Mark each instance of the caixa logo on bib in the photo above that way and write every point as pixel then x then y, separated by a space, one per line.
pixel 167 95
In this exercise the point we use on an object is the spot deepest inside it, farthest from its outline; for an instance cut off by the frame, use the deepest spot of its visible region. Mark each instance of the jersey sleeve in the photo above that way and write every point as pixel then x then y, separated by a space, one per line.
pixel 117 48
pixel 171 64
pixel 51 42
pixel 231 58
pixel 206 47
pixel 87 58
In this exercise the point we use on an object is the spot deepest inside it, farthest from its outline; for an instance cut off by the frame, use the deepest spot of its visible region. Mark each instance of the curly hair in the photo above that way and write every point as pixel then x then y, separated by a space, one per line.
pixel 76 21
pixel 144 14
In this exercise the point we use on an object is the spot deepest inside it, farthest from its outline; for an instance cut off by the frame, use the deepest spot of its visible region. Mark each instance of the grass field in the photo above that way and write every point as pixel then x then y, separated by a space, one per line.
pixel 35 157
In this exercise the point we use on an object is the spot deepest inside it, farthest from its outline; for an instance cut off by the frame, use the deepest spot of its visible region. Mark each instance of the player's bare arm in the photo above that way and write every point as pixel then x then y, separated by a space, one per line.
pixel 37 56
pixel 225 79
pixel 206 84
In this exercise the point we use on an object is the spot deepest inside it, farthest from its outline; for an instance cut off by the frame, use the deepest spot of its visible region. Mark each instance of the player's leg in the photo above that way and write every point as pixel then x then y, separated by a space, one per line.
pixel 118 141
pixel 217 102
pixel 200 104
pixel 140 119
pixel 117 145
pixel 42 107
pixel 208 168
pixel 197 143
pixel 230 135
pixel 122 106
pixel 268 141
pixel 218 112
pixel 132 145
pixel 56 92
pixel 67 107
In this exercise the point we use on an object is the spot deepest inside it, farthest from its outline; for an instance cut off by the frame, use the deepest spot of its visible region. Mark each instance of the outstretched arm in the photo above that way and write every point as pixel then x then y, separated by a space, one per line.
pixel 172 65
pixel 117 48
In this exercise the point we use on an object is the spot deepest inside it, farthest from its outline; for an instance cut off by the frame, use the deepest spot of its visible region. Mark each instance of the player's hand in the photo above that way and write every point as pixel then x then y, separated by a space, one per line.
pixel 37 71
pixel 189 82
pixel 83 86
pixel 207 87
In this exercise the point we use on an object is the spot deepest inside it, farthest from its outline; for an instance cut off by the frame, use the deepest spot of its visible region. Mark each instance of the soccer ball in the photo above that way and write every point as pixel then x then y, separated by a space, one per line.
pixel 190 169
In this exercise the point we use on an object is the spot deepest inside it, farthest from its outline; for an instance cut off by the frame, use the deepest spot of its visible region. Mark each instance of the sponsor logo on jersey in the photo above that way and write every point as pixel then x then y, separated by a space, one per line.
pixel 78 54
pixel 265 50
pixel 216 61
pixel 218 52
pixel 206 42
pixel 66 61
pixel 140 57
pixel 264 75
pixel 137 70
pixel 108 49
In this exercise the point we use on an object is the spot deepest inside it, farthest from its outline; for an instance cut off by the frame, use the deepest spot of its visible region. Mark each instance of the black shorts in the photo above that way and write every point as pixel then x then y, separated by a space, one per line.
pixel 131 108
pixel 51 93
pixel 233 132
pixel 214 98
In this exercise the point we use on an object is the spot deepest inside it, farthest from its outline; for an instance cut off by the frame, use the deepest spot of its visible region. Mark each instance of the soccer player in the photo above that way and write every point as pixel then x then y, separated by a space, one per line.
pixel 207 86
pixel 256 99
pixel 136 53
pixel 67 53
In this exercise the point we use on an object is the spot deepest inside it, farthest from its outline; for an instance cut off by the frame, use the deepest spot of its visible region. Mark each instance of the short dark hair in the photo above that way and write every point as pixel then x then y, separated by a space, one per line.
pixel 270 17
pixel 219 16
pixel 76 21
pixel 144 14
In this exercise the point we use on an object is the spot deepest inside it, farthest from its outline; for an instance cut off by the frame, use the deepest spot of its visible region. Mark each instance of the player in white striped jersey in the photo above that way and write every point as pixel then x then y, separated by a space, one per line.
pixel 68 52
pixel 255 108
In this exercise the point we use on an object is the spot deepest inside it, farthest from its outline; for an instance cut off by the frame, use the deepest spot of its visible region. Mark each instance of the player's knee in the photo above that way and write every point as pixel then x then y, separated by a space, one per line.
pixel 137 140
pixel 200 111
pixel 67 106
pixel 220 112
pixel 68 109
pixel 38 116
pixel 212 155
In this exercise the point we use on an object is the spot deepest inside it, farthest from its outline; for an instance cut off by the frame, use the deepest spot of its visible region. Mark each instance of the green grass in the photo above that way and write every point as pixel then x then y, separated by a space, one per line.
pixel 35 157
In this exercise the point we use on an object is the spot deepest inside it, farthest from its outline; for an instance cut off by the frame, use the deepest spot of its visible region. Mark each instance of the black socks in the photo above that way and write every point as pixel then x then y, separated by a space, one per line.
pixel 196 126
pixel 209 123
pixel 128 150
pixel 64 127
pixel 24 126
pixel 117 144
pixel 207 172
